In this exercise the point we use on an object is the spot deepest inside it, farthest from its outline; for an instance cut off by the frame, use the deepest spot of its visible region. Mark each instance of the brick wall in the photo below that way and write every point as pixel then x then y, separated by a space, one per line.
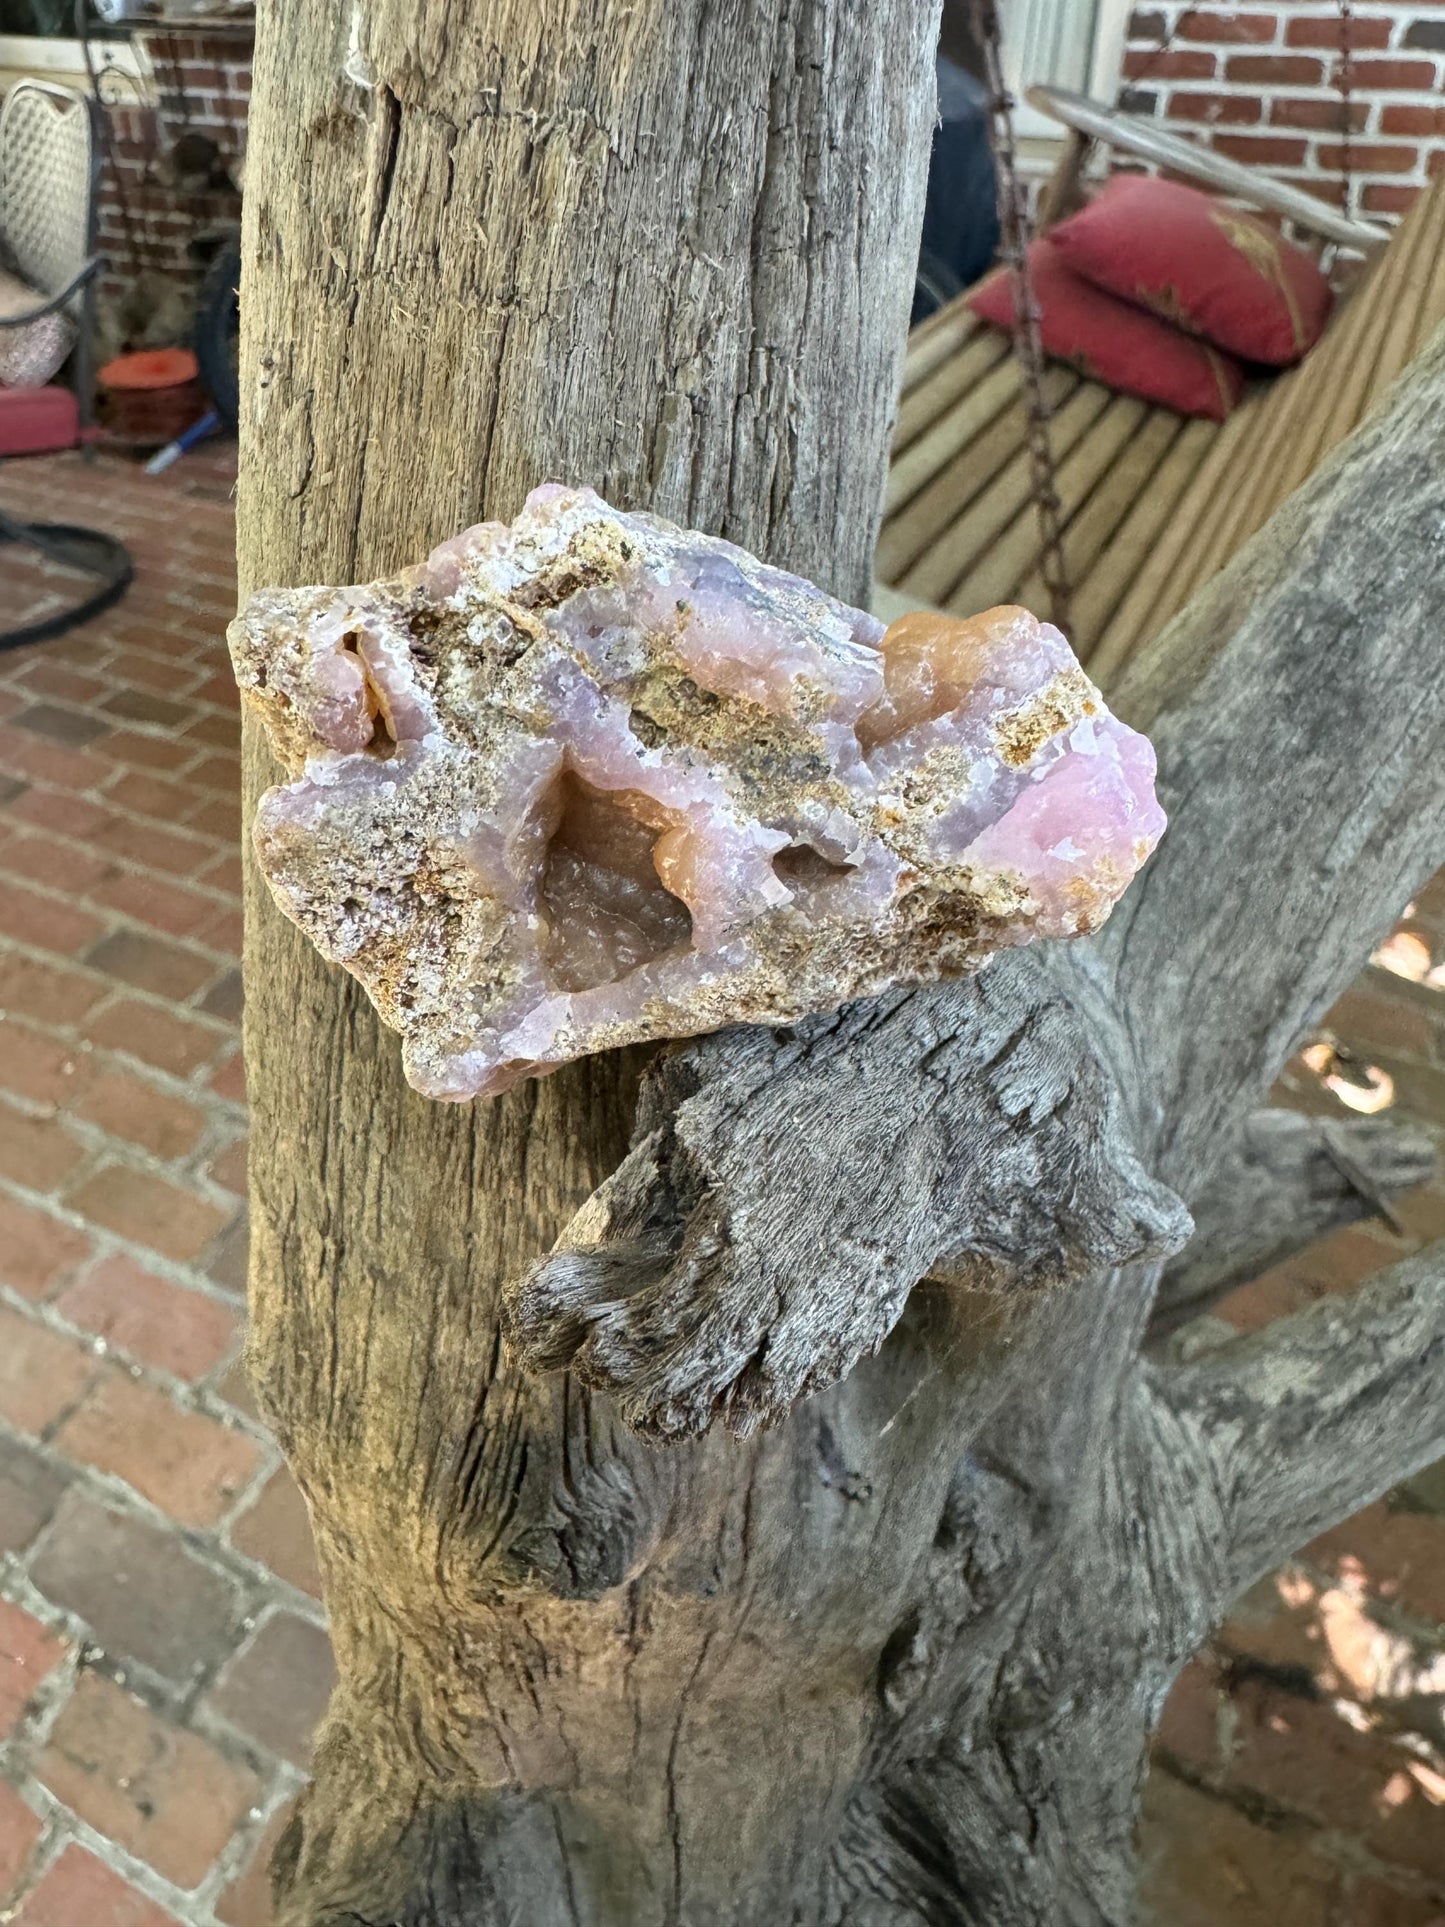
pixel 159 218
pixel 1261 83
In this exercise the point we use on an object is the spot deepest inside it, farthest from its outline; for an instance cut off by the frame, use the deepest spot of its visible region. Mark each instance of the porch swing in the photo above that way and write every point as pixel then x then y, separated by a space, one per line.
pixel 1015 478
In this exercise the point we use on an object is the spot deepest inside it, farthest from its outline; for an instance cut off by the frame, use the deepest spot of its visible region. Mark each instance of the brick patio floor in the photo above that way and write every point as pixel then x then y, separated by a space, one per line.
pixel 162 1649
pixel 163 1657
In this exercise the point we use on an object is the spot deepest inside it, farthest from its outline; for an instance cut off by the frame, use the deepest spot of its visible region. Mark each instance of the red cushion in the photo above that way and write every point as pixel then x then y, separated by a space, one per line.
pixel 37 421
pixel 1201 263
pixel 1113 340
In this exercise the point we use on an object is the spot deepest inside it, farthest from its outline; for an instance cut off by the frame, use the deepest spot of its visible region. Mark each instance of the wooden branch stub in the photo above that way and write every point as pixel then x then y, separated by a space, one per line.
pixel 1316 1415
pixel 787 1189
pixel 1287 1180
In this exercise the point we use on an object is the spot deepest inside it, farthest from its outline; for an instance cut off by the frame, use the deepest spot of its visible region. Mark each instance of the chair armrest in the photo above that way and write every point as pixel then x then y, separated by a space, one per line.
pixel 92 267
pixel 1131 134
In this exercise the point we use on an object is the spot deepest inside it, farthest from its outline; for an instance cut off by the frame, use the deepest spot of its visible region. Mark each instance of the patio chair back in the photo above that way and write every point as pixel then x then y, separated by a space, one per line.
pixel 49 169
pixel 48 157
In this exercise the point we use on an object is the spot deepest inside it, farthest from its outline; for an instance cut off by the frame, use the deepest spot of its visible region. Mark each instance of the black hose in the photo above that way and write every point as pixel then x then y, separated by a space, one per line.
pixel 74 548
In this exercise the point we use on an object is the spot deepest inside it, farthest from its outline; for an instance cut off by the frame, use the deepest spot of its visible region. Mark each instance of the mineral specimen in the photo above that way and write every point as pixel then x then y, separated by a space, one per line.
pixel 593 779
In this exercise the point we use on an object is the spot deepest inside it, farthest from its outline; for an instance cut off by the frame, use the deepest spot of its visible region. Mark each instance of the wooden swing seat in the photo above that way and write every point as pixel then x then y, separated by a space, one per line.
pixel 1153 505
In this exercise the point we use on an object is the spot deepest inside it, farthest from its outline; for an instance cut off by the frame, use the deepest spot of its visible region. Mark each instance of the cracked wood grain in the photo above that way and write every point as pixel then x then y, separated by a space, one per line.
pixel 739 1259
pixel 896 1659
pixel 666 249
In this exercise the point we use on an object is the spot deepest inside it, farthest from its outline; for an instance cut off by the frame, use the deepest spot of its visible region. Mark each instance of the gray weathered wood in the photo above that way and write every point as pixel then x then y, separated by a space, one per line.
pixel 1293 694
pixel 895 1659
pixel 665 248
pixel 1309 1420
pixel 693 1288
pixel 1297 697
pixel 1285 1181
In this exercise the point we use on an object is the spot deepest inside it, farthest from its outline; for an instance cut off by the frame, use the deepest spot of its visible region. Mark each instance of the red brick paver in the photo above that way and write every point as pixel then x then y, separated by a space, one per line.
pixel 164 1794
pixel 20 1829
pixel 276 1531
pixel 141 1592
pixel 30 1489
pixel 276 1689
pixel 193 1467
pixel 29 1652
pixel 37 1249
pixel 247 1901
pixel 81 1891
pixel 173 1327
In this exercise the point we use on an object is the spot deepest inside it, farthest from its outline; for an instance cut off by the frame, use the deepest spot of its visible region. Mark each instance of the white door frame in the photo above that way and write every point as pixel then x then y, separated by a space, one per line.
pixel 1101 81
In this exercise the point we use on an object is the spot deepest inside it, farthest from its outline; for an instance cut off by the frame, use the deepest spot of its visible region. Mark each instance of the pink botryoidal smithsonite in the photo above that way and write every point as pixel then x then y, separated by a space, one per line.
pixel 593 779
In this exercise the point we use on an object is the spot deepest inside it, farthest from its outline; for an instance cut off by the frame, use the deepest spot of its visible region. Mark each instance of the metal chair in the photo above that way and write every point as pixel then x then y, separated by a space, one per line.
pixel 49 167
pixel 49 164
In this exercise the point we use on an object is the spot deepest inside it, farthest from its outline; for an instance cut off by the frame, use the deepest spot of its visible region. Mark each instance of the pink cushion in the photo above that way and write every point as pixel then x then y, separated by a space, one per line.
pixel 30 355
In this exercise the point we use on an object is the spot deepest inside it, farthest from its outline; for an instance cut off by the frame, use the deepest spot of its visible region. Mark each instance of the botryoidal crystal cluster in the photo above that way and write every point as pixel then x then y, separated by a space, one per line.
pixel 593 779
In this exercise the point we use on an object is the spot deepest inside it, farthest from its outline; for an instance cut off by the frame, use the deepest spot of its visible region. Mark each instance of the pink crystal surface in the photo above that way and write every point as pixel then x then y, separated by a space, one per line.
pixel 592 779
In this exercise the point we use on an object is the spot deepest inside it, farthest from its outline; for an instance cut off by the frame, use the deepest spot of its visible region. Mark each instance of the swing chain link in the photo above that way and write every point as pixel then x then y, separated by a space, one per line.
pixel 1028 349
pixel 1344 81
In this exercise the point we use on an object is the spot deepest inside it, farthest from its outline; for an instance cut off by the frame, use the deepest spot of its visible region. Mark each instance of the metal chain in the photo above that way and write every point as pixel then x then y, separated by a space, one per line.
pixel 107 139
pixel 1013 249
pixel 1344 81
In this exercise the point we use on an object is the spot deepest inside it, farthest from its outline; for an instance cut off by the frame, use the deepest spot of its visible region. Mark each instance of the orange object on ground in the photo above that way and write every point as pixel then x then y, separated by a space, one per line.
pixel 150 368
pixel 148 399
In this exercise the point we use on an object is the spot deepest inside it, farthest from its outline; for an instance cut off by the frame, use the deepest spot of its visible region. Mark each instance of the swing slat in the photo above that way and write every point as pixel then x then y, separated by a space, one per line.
pixel 962 374
pixel 1099 592
pixel 906 535
pixel 1110 500
pixel 1008 561
pixel 938 572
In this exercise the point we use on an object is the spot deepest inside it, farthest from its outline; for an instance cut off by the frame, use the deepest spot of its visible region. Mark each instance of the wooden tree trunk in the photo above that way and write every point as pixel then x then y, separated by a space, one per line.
pixel 666 248
pixel 896 1660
